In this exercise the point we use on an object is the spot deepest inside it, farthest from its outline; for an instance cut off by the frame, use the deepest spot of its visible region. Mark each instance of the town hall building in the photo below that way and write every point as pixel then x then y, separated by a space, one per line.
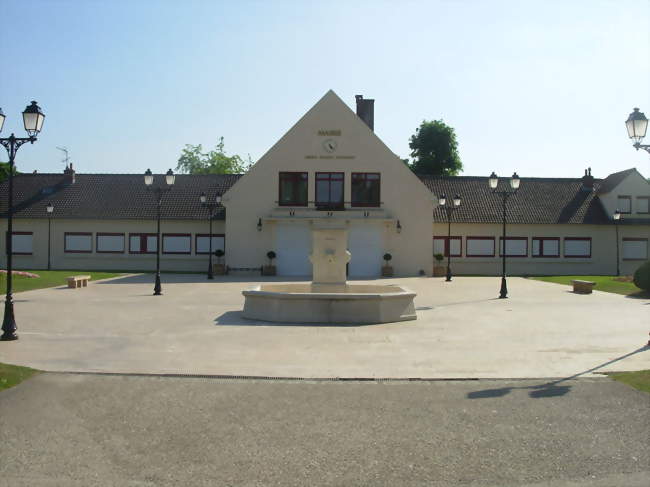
pixel 330 170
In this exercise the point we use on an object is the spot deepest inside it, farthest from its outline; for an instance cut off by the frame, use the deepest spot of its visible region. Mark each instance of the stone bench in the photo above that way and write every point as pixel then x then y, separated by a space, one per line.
pixel 582 287
pixel 77 281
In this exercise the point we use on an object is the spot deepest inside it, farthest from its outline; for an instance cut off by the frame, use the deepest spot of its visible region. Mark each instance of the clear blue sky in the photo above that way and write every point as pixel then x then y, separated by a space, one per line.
pixel 543 87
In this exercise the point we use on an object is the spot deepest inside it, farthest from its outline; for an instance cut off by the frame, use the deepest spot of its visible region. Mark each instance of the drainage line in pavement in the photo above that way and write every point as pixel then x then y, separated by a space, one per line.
pixel 270 378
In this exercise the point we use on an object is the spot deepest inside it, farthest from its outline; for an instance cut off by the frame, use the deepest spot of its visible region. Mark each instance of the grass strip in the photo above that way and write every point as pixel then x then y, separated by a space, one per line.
pixel 49 279
pixel 11 375
pixel 639 380
pixel 609 284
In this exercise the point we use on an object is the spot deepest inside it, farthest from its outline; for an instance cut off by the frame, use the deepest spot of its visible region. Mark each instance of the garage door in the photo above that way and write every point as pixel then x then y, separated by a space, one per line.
pixel 292 247
pixel 366 246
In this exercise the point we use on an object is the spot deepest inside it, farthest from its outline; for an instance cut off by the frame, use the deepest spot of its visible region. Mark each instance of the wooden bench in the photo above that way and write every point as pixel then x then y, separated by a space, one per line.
pixel 77 281
pixel 582 287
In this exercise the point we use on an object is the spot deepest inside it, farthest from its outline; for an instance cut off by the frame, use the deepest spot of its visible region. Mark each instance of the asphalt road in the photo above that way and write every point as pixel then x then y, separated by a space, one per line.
pixel 91 430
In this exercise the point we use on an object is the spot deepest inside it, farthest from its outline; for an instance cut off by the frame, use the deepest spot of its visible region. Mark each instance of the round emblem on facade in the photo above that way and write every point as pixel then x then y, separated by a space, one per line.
pixel 329 145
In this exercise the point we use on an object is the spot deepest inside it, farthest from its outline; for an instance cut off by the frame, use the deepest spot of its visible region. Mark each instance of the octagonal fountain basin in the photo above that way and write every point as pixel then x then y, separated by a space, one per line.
pixel 351 304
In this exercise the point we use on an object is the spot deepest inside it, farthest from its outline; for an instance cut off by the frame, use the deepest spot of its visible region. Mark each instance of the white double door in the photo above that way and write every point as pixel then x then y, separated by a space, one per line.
pixel 293 245
pixel 365 243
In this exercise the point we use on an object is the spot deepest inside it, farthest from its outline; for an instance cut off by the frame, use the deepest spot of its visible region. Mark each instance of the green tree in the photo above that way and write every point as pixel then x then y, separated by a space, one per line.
pixel 4 171
pixel 194 161
pixel 434 150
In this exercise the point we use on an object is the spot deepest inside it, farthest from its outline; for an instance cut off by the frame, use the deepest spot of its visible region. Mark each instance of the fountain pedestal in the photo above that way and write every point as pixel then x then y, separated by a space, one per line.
pixel 329 299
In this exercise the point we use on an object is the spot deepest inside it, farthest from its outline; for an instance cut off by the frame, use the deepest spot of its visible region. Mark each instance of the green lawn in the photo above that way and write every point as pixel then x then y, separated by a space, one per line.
pixel 609 284
pixel 48 279
pixel 639 380
pixel 11 375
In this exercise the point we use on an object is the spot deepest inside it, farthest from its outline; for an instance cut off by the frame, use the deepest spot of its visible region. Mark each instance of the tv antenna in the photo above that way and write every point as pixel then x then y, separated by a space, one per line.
pixel 66 158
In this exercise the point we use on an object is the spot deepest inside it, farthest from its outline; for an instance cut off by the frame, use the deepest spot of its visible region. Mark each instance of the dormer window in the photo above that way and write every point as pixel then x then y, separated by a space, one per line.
pixel 293 189
pixel 624 204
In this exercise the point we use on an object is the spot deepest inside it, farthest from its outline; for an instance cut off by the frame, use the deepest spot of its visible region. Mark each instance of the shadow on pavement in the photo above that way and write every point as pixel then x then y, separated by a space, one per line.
pixel 235 318
pixel 548 389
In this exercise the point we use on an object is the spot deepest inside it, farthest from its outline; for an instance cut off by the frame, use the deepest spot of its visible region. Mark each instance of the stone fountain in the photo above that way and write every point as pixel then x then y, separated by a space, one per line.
pixel 329 298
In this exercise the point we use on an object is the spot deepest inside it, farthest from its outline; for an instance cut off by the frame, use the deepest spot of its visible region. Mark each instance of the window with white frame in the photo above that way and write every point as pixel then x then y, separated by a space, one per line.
pixel 176 243
pixel 635 248
pixel 441 245
pixel 78 242
pixel 577 247
pixel 515 246
pixel 546 246
pixel 624 204
pixel 143 243
pixel 202 245
pixel 643 204
pixel 22 243
pixel 110 243
pixel 479 247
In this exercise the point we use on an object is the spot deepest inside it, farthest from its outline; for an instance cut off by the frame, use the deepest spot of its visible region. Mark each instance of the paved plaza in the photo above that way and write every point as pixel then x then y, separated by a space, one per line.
pixel 462 331
pixel 79 430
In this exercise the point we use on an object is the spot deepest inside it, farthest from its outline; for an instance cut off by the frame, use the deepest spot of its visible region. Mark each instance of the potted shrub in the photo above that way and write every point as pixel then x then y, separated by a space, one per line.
pixel 387 269
pixel 439 270
pixel 269 270
pixel 219 268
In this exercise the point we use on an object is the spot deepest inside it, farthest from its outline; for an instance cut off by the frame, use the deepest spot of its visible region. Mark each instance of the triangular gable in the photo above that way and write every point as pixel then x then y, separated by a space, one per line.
pixel 331 112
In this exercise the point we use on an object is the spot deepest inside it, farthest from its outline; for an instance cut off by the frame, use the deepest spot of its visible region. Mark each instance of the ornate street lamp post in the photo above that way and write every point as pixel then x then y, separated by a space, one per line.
pixel 33 119
pixel 158 191
pixel 637 125
pixel 212 207
pixel 505 194
pixel 50 210
pixel 449 209
pixel 617 218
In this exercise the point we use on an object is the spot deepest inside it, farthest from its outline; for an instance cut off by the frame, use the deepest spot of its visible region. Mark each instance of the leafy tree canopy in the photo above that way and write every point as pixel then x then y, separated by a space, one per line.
pixel 194 161
pixel 4 171
pixel 434 150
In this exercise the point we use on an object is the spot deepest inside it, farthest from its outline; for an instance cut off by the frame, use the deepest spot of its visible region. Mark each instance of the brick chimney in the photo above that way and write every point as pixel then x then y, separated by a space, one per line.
pixel 587 181
pixel 69 174
pixel 366 111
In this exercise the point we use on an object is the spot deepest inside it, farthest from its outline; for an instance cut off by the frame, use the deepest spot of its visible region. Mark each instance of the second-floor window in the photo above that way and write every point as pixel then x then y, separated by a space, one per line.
pixel 365 189
pixel 624 204
pixel 293 189
pixel 329 190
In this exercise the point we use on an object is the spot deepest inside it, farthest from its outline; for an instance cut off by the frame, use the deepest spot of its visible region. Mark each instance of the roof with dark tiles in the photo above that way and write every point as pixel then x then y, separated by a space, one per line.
pixel 124 196
pixel 613 180
pixel 538 200
pixel 113 196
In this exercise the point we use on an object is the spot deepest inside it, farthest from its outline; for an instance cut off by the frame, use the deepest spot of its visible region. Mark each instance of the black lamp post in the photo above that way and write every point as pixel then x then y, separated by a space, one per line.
pixel 33 121
pixel 617 218
pixel 637 125
pixel 158 191
pixel 212 207
pixel 505 194
pixel 449 209
pixel 50 210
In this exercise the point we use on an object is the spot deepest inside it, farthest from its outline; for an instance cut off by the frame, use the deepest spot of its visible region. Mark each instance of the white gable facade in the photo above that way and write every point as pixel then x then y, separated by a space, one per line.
pixel 331 150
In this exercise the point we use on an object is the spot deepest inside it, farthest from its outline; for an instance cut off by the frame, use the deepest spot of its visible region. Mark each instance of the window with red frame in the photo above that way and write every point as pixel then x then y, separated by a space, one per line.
pixel 293 189
pixel 329 190
pixel 441 246
pixel 366 189
pixel 546 246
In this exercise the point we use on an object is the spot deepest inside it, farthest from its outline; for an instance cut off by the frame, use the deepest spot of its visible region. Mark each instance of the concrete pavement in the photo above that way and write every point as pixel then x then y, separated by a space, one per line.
pixel 462 331
pixel 81 430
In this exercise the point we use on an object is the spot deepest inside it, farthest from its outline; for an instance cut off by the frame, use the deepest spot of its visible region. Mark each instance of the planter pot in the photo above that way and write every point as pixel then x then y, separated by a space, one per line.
pixel 439 271
pixel 268 270
pixel 219 269
pixel 387 271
